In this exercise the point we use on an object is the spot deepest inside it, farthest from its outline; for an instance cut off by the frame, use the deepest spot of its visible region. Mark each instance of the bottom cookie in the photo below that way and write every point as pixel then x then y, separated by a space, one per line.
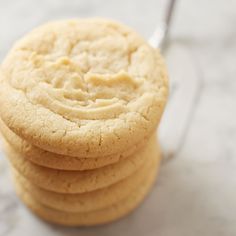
pixel 102 216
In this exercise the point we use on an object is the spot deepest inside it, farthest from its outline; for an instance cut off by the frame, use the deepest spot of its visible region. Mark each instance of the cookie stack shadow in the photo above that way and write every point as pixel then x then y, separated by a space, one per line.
pixel 80 104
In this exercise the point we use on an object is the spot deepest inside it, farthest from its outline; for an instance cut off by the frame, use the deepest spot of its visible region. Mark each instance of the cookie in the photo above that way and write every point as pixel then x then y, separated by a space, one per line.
pixel 101 216
pixel 87 88
pixel 81 181
pixel 57 161
pixel 90 201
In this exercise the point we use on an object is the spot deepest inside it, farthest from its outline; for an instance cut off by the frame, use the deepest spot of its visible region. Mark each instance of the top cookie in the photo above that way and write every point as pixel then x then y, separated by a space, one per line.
pixel 85 88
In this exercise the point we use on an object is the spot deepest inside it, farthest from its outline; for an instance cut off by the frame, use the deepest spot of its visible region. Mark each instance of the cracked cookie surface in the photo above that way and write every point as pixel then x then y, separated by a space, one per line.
pixel 80 87
pixel 61 162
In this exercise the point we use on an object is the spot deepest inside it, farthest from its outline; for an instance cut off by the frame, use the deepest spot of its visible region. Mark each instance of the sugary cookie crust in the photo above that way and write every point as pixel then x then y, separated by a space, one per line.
pixel 80 87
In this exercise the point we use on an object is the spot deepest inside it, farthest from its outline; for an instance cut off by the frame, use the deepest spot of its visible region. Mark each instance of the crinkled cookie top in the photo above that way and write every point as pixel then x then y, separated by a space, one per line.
pixel 83 74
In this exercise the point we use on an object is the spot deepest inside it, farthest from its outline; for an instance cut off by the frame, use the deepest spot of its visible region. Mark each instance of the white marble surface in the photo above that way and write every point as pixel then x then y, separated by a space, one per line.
pixel 196 190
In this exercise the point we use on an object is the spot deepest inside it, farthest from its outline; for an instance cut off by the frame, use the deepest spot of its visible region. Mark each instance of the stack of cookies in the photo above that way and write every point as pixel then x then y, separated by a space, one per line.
pixel 80 104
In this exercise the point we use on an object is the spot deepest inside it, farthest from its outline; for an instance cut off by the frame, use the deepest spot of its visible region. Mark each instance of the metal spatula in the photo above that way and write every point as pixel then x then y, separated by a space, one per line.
pixel 184 88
